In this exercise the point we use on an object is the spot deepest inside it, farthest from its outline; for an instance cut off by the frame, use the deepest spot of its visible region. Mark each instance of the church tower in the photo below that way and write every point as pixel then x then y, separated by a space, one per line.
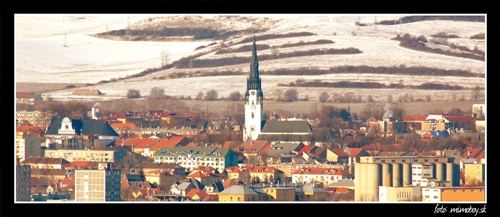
pixel 253 100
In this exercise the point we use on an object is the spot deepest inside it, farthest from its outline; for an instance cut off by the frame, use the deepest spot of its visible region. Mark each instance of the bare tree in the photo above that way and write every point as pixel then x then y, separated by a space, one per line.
pixel 199 96
pixel 164 58
pixel 324 97
pixel 133 93
pixel 235 96
pixel 476 93
pixel 291 95
pixel 157 92
pixel 212 95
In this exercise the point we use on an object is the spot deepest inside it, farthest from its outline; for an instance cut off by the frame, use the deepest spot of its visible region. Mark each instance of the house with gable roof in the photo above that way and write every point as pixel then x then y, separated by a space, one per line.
pixel 173 141
pixel 240 193
pixel 198 195
pixel 278 151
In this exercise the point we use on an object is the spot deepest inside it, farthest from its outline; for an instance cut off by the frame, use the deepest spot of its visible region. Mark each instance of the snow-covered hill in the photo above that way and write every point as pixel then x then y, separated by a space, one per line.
pixel 61 48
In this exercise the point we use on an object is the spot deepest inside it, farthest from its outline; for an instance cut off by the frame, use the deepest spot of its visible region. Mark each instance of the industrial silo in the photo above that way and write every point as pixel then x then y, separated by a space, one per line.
pixel 387 175
pixel 407 174
pixel 359 181
pixel 397 176
pixel 440 171
pixel 374 181
pixel 453 174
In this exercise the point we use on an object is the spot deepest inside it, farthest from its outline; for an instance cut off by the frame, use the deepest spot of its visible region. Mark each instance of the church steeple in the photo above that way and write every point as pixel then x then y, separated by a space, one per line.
pixel 254 100
pixel 254 78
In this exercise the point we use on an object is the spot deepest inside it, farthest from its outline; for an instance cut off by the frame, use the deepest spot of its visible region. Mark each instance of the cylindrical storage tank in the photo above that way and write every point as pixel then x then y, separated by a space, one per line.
pixel 358 181
pixel 374 181
pixel 440 171
pixel 397 176
pixel 387 175
pixel 449 173
pixel 456 175
pixel 407 174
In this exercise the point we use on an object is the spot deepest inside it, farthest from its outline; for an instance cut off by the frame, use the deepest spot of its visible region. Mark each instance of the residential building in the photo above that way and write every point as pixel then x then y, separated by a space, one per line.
pixel 23 185
pixel 97 185
pixel 28 98
pixel 453 194
pixel 475 173
pixel 192 157
pixel 319 175
pixel 94 155
pixel 28 145
pixel 32 118
pixel 45 163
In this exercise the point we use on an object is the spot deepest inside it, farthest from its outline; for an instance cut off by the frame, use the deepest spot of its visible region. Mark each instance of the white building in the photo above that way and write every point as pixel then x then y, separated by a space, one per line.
pixel 421 173
pixel 97 185
pixel 254 100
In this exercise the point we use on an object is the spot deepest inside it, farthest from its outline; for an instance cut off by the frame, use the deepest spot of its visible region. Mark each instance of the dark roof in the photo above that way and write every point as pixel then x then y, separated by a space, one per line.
pixel 286 127
pixel 45 160
pixel 84 127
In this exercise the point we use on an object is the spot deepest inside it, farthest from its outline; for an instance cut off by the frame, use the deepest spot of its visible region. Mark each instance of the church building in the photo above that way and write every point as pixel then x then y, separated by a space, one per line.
pixel 255 125
pixel 254 99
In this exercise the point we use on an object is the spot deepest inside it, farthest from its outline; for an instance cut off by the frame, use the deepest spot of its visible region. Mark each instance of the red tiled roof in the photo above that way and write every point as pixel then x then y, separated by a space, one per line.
pixel 123 126
pixel 414 118
pixel 234 169
pixel 174 141
pixel 266 148
pixel 253 146
pixel 340 152
pixel 306 148
pixel 201 194
pixel 70 180
pixel 29 128
pixel 147 142
pixel 472 152
pixel 160 144
pixel 355 151
pixel 133 141
pixel 460 119
pixel 197 174
pixel 229 183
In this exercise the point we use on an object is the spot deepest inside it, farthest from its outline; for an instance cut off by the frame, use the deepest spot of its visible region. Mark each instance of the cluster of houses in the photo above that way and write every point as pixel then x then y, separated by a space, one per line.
pixel 276 160
pixel 182 170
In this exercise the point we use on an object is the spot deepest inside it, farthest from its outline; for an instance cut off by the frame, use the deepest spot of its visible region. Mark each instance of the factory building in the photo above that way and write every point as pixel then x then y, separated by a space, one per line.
pixel 398 171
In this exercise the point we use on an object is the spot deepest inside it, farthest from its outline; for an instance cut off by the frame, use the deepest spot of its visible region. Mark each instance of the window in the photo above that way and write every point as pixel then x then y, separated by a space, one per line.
pixel 435 197
pixel 253 115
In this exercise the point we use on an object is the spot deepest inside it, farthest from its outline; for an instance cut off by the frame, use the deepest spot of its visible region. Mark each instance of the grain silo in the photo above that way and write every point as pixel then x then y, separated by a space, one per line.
pixel 397 177
pixel 453 174
pixel 387 175
pixel 359 181
pixel 407 174
pixel 374 181
pixel 440 173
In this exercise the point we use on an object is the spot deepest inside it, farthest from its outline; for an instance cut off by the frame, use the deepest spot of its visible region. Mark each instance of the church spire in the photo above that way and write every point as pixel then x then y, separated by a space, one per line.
pixel 254 78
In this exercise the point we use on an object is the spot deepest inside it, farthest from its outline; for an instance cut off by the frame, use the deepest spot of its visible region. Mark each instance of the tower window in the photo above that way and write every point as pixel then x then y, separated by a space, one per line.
pixel 253 102
pixel 253 115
